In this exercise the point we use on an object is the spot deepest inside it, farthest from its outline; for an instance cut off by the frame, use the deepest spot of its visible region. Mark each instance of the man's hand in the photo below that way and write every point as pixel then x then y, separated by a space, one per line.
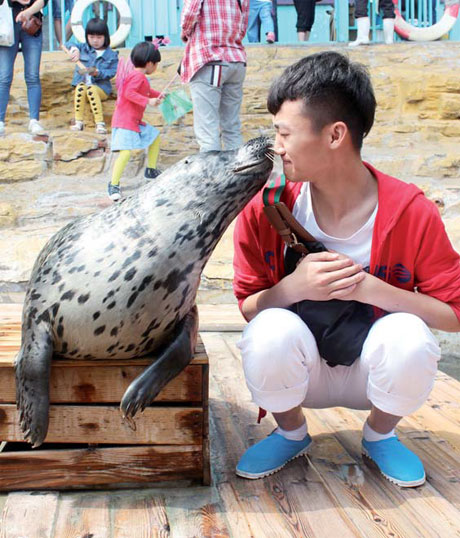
pixel 323 276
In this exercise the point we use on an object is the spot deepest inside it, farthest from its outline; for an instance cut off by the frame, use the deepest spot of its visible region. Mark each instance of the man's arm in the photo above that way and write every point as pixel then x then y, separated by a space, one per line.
pixel 318 277
pixel 435 313
pixel 189 18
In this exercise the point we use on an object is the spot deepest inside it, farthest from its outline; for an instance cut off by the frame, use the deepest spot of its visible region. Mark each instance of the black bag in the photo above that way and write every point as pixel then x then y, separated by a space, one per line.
pixel 339 327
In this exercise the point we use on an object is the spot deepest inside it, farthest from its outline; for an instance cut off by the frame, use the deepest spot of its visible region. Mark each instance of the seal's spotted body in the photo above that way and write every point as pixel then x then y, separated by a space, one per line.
pixel 122 283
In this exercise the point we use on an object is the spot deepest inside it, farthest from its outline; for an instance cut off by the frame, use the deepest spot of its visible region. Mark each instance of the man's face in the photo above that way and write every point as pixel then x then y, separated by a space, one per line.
pixel 301 147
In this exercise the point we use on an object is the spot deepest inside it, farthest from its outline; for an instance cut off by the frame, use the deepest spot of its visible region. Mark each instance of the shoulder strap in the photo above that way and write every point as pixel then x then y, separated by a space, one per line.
pixel 282 219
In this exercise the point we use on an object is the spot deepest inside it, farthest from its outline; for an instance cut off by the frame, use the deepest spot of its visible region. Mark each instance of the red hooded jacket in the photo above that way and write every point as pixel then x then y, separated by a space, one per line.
pixel 410 247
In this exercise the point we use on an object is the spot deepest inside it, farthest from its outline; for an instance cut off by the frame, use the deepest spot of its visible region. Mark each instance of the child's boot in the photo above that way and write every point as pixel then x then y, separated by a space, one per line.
pixel 77 126
pixel 101 128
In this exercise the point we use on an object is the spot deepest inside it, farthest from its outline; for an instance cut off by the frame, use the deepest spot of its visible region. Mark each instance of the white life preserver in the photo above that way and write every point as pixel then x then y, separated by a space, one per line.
pixel 76 20
pixel 431 33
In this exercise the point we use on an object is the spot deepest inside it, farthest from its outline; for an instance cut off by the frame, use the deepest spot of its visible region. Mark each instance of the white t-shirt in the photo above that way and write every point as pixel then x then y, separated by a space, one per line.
pixel 357 246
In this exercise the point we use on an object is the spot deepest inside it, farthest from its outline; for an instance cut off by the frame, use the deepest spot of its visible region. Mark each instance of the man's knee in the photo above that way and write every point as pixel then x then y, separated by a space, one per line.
pixel 276 341
pixel 401 347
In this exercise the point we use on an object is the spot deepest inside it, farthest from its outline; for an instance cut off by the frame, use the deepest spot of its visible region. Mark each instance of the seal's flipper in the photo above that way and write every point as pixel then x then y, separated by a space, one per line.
pixel 170 363
pixel 33 365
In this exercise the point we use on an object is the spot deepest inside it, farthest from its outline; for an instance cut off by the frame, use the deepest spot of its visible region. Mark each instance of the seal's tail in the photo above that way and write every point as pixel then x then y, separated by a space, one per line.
pixel 33 365
pixel 174 358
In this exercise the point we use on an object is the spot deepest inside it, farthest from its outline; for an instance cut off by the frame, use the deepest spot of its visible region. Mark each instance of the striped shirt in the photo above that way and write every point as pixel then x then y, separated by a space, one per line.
pixel 214 30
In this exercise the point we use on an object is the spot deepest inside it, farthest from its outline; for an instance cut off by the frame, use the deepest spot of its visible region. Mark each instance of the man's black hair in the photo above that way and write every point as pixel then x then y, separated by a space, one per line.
pixel 332 88
pixel 97 26
pixel 143 53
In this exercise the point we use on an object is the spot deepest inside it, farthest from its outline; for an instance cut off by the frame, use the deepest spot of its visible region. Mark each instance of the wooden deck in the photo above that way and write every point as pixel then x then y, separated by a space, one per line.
pixel 330 493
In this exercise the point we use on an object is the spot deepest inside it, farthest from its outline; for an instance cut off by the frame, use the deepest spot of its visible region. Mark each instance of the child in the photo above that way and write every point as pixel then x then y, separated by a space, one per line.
pixel 101 62
pixel 128 130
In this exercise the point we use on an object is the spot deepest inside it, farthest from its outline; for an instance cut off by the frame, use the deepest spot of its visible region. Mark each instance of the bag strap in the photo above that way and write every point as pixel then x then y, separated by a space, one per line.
pixel 239 3
pixel 282 219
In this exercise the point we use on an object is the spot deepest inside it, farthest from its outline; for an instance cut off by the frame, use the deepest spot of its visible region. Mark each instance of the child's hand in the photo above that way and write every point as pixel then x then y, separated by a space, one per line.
pixel 154 101
pixel 74 54
pixel 92 71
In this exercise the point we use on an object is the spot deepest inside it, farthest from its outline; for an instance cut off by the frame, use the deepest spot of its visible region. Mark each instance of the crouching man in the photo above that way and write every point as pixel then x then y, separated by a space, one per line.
pixel 386 247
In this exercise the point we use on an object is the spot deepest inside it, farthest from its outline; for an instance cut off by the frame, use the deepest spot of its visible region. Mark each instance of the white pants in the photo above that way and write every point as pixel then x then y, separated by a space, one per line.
pixel 217 93
pixel 283 368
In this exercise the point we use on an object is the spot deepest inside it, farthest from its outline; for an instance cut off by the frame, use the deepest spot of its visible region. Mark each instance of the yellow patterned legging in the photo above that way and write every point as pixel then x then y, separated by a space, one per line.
pixel 95 96
pixel 125 155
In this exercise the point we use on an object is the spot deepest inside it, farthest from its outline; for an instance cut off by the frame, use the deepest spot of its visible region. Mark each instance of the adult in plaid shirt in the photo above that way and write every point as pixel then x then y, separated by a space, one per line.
pixel 215 66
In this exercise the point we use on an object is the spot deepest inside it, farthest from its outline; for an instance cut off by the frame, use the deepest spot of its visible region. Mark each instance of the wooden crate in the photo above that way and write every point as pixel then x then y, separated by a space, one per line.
pixel 88 442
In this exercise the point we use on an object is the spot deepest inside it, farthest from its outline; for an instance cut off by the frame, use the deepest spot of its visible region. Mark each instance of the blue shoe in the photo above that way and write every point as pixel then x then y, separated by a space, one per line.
pixel 270 455
pixel 395 461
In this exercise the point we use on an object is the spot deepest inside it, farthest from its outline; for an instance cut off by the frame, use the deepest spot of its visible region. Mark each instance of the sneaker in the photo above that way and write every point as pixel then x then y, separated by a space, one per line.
pixel 270 37
pixel 35 128
pixel 395 461
pixel 151 173
pixel 2 128
pixel 270 455
pixel 114 192
pixel 77 126
pixel 101 128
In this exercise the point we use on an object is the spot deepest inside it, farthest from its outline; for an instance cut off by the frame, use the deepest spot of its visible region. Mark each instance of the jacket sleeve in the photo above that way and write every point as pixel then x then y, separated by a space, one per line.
pixel 250 267
pixel 132 92
pixel 190 13
pixel 154 93
pixel 437 266
pixel 107 68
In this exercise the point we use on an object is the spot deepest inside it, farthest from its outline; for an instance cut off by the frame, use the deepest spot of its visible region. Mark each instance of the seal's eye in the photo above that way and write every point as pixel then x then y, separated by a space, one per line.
pixel 186 161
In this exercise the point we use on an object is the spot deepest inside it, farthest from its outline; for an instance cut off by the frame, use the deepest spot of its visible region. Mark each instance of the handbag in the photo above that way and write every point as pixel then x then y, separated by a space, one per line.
pixel 6 25
pixel 339 327
pixel 33 25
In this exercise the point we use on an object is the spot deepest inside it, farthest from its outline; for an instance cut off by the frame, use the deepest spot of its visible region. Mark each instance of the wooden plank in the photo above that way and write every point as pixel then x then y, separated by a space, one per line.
pixel 85 516
pixel 104 424
pixel 105 384
pixel 220 317
pixel 196 512
pixel 205 438
pixel 27 515
pixel 139 516
pixel 88 467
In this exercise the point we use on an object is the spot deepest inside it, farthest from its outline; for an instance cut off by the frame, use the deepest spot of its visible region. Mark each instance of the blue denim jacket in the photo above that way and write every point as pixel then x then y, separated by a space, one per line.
pixel 105 64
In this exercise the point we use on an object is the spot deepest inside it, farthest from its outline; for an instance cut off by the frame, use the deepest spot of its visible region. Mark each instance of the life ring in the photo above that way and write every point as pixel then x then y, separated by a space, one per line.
pixel 431 33
pixel 126 19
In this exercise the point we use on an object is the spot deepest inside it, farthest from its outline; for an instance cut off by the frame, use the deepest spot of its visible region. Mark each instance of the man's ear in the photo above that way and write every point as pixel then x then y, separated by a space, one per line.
pixel 337 134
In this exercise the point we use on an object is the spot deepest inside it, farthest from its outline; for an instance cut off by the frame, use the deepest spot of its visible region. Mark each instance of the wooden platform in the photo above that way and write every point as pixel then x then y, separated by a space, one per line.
pixel 330 493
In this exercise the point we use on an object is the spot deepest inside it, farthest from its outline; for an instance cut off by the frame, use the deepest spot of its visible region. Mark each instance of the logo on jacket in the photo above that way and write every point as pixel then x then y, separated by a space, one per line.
pixel 269 257
pixel 398 272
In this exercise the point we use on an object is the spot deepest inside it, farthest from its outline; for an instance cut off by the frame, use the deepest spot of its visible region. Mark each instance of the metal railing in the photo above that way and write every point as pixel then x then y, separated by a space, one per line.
pixel 162 17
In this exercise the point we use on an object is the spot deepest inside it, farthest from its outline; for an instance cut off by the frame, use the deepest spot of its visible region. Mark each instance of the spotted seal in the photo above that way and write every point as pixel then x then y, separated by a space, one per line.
pixel 122 283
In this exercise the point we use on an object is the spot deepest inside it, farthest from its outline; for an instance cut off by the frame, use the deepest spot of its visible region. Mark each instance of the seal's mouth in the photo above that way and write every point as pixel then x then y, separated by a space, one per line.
pixel 268 154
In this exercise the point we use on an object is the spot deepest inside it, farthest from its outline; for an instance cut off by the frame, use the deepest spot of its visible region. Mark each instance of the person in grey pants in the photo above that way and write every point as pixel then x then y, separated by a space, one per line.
pixel 214 65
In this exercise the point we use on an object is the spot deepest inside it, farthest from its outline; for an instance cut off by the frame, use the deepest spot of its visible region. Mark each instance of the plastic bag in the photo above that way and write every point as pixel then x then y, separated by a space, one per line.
pixel 6 25
pixel 175 105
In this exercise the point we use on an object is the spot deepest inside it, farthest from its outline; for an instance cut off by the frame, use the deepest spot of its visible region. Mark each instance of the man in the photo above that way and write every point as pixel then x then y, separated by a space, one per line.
pixel 215 65
pixel 391 242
